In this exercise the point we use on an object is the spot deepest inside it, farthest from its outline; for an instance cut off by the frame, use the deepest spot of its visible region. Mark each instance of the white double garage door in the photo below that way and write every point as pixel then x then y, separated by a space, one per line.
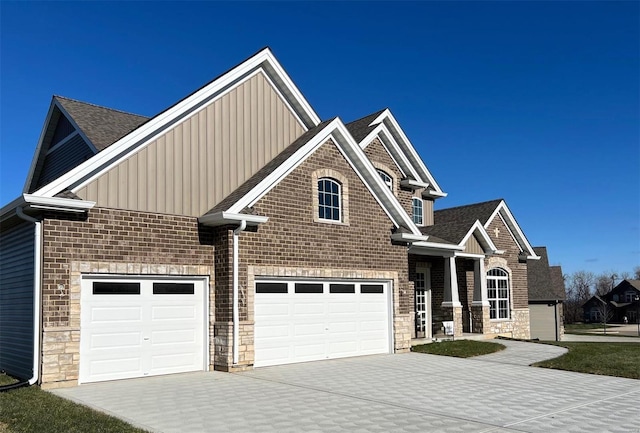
pixel 145 327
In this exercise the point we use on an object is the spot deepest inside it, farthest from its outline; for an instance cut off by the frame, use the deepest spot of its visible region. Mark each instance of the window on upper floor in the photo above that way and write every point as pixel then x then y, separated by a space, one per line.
pixel 386 178
pixel 498 291
pixel 329 199
pixel 417 211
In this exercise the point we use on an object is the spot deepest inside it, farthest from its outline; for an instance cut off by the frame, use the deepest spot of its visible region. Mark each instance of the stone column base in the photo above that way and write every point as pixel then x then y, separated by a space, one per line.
pixel 223 347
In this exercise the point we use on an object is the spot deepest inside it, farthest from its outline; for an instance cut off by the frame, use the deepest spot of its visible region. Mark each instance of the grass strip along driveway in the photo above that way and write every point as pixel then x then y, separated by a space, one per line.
pixel 459 348
pixel 609 359
pixel 30 410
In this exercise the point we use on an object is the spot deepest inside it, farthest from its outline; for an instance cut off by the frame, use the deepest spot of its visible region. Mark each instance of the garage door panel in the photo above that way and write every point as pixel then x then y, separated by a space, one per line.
pixel 174 312
pixel 114 313
pixel 112 340
pixel 144 334
pixel 341 321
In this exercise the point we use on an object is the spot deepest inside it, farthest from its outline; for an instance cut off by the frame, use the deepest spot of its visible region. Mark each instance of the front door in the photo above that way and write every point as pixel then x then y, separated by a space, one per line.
pixel 423 303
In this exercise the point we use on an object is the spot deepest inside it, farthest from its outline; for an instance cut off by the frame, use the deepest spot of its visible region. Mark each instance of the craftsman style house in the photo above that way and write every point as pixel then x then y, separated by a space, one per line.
pixel 622 301
pixel 234 230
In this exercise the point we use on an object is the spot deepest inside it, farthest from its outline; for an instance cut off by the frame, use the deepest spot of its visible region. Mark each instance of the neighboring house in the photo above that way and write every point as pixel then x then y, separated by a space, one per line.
pixel 546 295
pixel 622 301
pixel 235 230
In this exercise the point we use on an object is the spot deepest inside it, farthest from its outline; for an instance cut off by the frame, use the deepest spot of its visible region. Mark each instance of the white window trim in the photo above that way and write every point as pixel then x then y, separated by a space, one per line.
pixel 496 299
pixel 330 206
pixel 413 208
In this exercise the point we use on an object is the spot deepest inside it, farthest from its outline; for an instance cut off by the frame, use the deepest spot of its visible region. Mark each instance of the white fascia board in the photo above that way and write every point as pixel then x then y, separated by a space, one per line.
pixel 270 181
pixel 337 131
pixel 119 150
pixel 408 147
pixel 409 237
pixel 223 218
pixel 378 131
pixel 57 203
pixel 477 226
pixel 34 160
pixel 502 210
pixel 437 194
pixel 470 255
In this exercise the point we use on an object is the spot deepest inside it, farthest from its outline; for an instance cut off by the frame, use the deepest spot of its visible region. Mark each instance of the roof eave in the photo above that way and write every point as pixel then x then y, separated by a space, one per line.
pixel 226 218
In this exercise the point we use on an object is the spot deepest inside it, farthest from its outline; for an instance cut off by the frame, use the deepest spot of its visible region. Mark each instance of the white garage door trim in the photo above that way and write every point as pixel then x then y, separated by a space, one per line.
pixel 142 326
pixel 310 320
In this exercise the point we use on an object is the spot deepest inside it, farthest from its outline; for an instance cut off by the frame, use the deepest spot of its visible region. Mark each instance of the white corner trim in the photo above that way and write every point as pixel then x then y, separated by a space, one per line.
pixel 222 218
pixel 154 126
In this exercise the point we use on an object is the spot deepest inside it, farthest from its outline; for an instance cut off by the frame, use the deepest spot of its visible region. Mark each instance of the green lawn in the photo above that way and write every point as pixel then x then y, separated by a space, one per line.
pixel 609 359
pixel 459 348
pixel 32 410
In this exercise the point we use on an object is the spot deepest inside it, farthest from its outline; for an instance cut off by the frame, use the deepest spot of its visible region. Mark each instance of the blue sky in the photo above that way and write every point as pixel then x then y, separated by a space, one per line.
pixel 533 102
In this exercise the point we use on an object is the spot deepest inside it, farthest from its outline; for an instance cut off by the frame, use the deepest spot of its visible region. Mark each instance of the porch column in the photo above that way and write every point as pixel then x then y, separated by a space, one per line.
pixel 451 296
pixel 480 304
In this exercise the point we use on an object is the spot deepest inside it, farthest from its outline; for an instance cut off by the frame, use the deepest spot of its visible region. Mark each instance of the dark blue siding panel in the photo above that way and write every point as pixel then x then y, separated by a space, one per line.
pixel 61 160
pixel 17 259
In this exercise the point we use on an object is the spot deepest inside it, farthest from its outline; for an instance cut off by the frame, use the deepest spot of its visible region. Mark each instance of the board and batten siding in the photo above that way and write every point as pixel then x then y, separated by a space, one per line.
pixel 473 246
pixel 192 167
pixel 17 260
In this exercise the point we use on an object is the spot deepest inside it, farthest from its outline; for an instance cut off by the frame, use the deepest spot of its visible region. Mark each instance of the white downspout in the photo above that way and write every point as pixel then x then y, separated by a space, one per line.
pixel 36 293
pixel 236 312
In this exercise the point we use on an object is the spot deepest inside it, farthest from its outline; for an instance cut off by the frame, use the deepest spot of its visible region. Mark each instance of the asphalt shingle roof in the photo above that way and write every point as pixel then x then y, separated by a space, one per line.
pixel 103 126
pixel 544 283
pixel 452 233
pixel 467 214
pixel 254 180
pixel 360 128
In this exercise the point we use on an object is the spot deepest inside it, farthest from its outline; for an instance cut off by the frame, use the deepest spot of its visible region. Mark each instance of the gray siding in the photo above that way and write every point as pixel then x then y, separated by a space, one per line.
pixel 543 323
pixel 61 160
pixel 201 160
pixel 17 259
pixel 473 246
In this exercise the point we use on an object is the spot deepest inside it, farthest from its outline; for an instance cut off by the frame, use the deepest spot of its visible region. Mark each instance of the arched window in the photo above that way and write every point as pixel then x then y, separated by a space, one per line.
pixel 329 199
pixel 416 205
pixel 498 291
pixel 386 178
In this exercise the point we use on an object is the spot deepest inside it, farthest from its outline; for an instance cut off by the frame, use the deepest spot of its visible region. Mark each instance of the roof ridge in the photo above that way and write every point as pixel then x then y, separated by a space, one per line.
pixel 375 114
pixel 469 205
pixel 101 106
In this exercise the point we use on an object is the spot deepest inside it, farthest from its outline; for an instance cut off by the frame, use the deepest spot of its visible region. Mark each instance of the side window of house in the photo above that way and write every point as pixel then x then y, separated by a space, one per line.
pixel 329 199
pixel 386 178
pixel 418 215
pixel 498 291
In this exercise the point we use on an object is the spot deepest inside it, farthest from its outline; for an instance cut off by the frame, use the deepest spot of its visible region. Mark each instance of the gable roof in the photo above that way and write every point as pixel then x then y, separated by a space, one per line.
pixel 383 125
pixel 485 212
pixel 266 179
pixel 557 281
pixel 101 125
pixel 460 233
pixel 262 62
pixel 542 283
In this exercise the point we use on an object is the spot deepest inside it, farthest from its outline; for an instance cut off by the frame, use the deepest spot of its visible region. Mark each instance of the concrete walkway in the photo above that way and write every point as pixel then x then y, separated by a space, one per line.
pixel 409 392
pixel 599 338
pixel 522 353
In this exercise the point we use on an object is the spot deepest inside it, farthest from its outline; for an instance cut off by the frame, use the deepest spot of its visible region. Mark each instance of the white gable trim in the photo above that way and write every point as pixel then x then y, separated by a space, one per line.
pixel 503 212
pixel 36 155
pixel 386 124
pixel 477 227
pixel 337 132
pixel 264 60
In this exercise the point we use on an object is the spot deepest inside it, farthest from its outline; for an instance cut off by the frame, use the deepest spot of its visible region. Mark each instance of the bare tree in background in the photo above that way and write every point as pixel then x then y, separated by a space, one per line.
pixel 605 312
pixel 636 273
pixel 605 283
pixel 578 286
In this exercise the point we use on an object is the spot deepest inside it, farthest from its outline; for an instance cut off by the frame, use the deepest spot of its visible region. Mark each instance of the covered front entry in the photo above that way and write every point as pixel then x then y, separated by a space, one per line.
pixel 297 321
pixel 141 327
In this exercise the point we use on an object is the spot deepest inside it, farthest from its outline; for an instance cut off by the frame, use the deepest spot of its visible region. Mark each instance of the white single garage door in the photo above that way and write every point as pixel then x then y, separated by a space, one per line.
pixel 298 321
pixel 143 327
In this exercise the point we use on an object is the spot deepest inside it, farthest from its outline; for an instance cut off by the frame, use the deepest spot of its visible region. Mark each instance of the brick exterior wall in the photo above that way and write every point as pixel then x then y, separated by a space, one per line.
pixel 381 159
pixel 107 241
pixel 291 242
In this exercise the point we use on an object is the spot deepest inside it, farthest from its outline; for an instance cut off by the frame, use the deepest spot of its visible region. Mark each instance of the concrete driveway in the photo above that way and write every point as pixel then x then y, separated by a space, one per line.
pixel 387 393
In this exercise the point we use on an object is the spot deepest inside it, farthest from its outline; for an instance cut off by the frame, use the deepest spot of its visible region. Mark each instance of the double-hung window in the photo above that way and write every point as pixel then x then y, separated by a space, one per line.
pixel 498 291
pixel 418 216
